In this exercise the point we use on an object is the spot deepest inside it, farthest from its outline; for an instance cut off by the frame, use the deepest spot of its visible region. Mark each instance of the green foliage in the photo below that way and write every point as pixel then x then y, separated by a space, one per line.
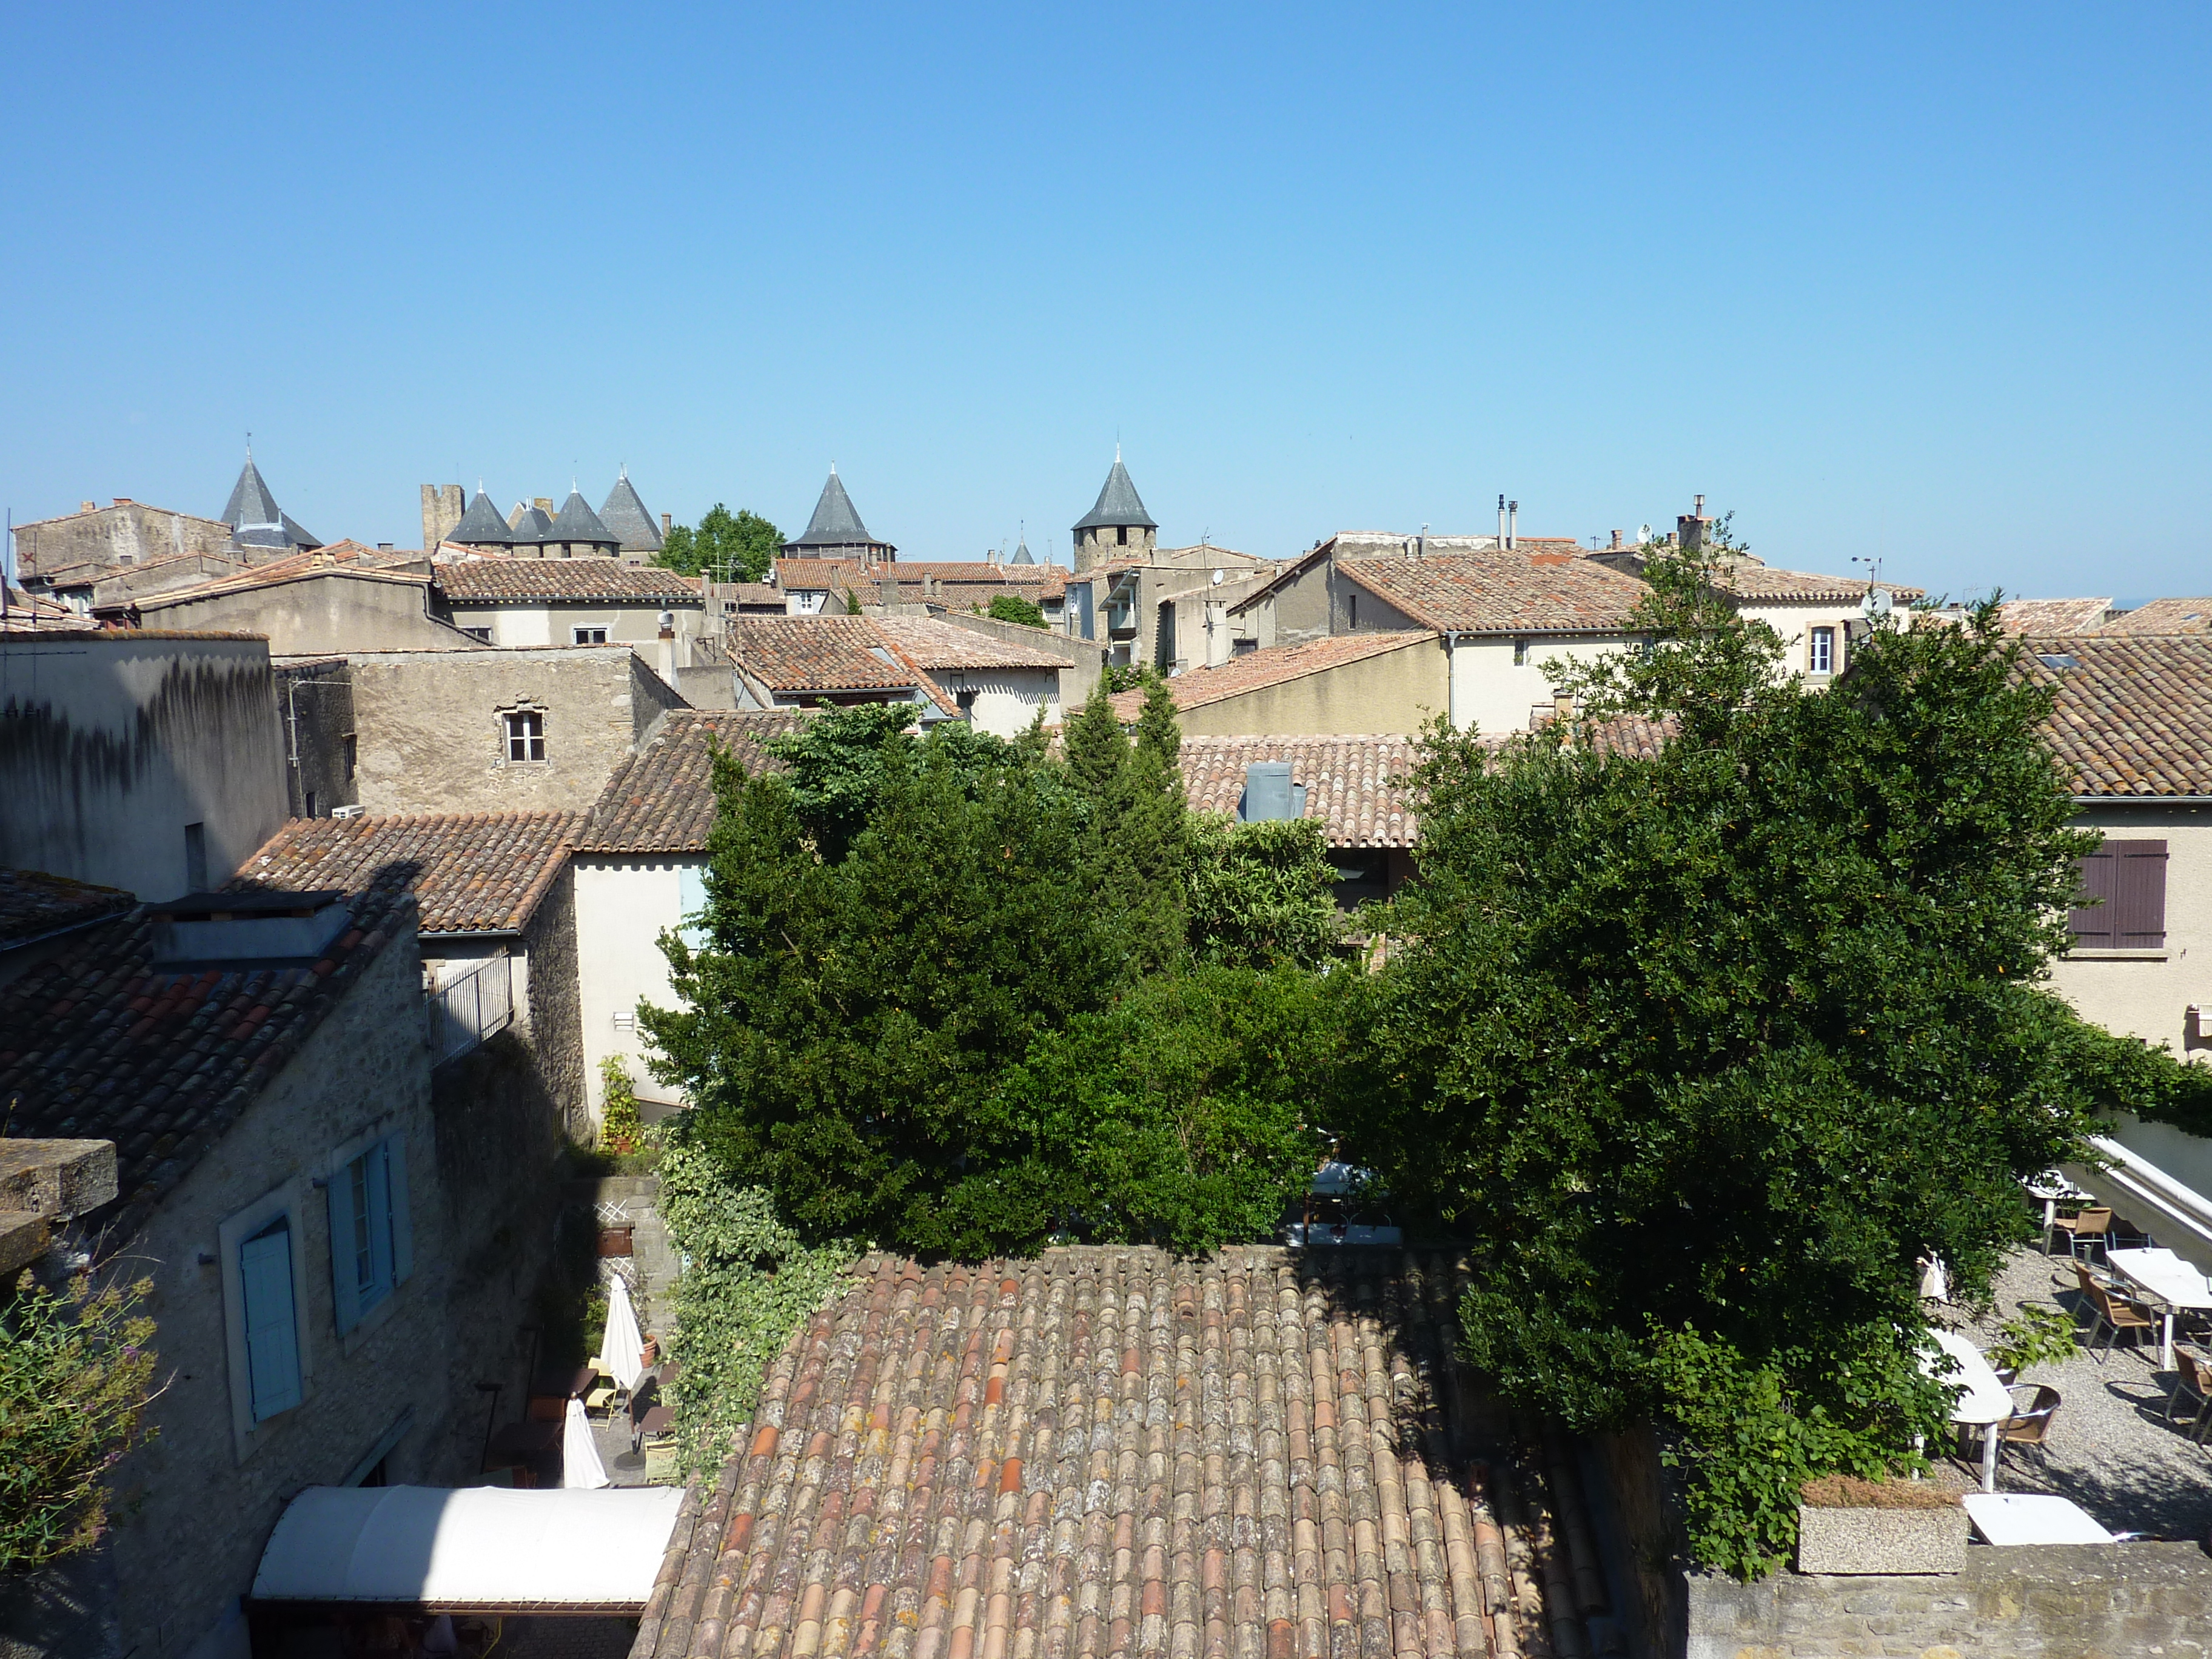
pixel 621 1132
pixel 75 1373
pixel 748 1283
pixel 1720 1042
pixel 742 545
pixel 1261 894
pixel 1117 678
pixel 844 1032
pixel 1013 608
pixel 1135 846
pixel 2039 1336
pixel 852 603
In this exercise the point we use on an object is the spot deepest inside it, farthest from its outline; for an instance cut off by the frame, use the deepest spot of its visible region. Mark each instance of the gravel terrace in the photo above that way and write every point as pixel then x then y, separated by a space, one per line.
pixel 2110 1448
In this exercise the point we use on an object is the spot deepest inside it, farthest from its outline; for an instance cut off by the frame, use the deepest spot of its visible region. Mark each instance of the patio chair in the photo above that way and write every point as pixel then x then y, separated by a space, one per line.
pixel 2119 1315
pixel 2091 1228
pixel 2194 1378
pixel 2027 1428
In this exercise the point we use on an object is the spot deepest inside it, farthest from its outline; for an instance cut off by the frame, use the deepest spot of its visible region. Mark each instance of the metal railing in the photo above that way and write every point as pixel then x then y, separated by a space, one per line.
pixel 477 1006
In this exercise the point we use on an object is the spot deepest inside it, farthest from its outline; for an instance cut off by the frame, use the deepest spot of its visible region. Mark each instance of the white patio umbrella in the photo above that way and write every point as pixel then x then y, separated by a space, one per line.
pixel 579 1453
pixel 622 1348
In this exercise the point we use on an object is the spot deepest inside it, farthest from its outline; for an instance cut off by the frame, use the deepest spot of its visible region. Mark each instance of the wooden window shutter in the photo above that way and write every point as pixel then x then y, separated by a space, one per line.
pixel 2093 917
pixel 2139 907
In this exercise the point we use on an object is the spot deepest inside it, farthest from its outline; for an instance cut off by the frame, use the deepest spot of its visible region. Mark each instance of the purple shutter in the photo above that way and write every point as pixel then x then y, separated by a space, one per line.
pixel 2139 906
pixel 2092 917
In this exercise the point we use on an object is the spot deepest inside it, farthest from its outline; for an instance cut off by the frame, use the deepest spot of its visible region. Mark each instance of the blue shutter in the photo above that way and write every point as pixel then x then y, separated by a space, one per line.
pixel 692 898
pixel 346 1292
pixel 272 1337
pixel 402 1237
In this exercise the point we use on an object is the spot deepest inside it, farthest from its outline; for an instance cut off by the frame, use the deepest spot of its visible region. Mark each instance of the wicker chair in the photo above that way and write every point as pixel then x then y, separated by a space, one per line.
pixel 2027 1427
pixel 2119 1315
pixel 2089 1229
pixel 2194 1378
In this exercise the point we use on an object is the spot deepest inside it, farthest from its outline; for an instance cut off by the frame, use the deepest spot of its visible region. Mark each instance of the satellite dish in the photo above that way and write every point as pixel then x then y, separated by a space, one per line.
pixel 1217 578
pixel 1876 604
pixel 1642 534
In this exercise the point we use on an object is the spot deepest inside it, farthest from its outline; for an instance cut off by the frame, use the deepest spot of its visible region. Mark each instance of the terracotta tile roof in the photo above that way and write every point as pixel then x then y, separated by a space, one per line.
pixel 1108 1451
pixel 1032 581
pixel 759 595
pixel 836 574
pixel 662 799
pixel 33 904
pixel 471 873
pixel 97 1043
pixel 1360 789
pixel 1273 665
pixel 2048 616
pixel 1496 592
pixel 1748 578
pixel 798 654
pixel 2134 716
pixel 932 644
pixel 2163 616
pixel 350 557
pixel 32 613
pixel 497 578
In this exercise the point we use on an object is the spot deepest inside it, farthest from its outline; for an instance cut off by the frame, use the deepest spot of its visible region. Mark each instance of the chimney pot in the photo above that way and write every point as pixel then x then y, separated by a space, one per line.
pixel 88 507
pixel 667 523
pixel 384 547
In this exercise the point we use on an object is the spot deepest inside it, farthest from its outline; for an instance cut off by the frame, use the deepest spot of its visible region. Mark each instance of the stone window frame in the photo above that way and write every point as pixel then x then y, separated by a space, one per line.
pixel 509 733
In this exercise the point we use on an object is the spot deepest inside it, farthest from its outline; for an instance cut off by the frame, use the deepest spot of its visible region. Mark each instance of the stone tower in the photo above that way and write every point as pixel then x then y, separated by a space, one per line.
pixel 836 531
pixel 1117 524
pixel 443 505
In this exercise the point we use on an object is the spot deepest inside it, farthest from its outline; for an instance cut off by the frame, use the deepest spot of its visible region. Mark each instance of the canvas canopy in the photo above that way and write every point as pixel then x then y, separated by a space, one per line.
pixel 473 1548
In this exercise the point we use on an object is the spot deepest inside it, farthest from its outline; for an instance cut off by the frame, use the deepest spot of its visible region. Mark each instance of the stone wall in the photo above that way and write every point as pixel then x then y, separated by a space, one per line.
pixel 325 613
pixel 128 533
pixel 2057 1601
pixel 652 1263
pixel 198 1500
pixel 432 739
pixel 556 1009
pixel 117 743
pixel 314 702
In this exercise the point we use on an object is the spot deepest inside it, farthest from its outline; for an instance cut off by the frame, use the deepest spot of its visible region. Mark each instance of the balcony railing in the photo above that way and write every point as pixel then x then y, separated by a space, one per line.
pixel 477 1006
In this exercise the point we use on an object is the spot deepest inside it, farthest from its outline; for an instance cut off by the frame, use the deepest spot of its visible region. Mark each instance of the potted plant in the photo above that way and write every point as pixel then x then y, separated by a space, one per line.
pixel 1850 1526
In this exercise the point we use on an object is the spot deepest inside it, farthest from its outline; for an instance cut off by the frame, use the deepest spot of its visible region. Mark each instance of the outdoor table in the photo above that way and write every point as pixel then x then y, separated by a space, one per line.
pixel 2167 1279
pixel 2054 1189
pixel 1986 1401
pixel 2018 1517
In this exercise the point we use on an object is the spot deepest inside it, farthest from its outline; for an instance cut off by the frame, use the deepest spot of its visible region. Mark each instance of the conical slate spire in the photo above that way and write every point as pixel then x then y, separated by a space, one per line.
pixel 481 526
pixel 835 523
pixel 576 522
pixel 531 524
pixel 624 514
pixel 1118 503
pixel 1022 554
pixel 253 516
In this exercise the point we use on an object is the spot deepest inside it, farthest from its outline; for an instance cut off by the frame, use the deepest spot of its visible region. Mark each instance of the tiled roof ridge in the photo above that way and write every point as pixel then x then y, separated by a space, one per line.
pixel 390 835
pixel 1273 665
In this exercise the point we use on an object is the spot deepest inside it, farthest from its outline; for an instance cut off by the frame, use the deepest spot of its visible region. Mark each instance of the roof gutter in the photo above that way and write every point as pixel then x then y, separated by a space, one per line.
pixel 2143 800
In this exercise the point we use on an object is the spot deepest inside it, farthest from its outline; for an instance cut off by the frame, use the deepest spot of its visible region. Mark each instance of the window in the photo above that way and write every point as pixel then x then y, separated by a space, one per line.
pixel 311 804
pixel 589 635
pixel 371 1245
pixel 1520 653
pixel 1351 610
pixel 2122 903
pixel 352 755
pixel 1121 535
pixel 966 699
pixel 691 901
pixel 526 734
pixel 272 1341
pixel 1821 652
pixel 481 636
pixel 196 865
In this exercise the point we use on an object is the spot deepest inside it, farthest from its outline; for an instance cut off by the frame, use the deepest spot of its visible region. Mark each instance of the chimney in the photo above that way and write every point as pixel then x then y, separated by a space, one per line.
pixel 1502 543
pixel 1689 528
pixel 665 648
pixel 123 501
pixel 1513 523
pixel 1616 538
pixel 542 503
pixel 88 507
pixel 384 547
pixel 667 523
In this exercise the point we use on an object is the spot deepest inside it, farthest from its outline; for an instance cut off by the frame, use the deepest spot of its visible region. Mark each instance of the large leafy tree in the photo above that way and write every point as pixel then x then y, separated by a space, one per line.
pixel 1136 835
pixel 1261 894
pixel 742 543
pixel 1709 1048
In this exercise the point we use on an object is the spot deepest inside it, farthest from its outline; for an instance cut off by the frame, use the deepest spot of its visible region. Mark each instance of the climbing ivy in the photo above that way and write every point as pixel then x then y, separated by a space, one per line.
pixel 747 1283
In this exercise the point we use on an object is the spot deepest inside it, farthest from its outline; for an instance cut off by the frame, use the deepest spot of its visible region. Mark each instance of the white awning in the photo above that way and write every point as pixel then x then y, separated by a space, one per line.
pixel 487 1548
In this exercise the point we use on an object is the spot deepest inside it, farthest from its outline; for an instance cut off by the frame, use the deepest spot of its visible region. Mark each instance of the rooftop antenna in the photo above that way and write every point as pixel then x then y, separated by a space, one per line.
pixel 249 446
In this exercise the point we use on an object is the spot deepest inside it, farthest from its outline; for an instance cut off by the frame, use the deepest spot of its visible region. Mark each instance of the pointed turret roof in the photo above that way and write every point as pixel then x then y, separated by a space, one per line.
pixel 253 516
pixel 835 522
pixel 576 522
pixel 1022 554
pixel 531 524
pixel 624 514
pixel 481 526
pixel 1118 502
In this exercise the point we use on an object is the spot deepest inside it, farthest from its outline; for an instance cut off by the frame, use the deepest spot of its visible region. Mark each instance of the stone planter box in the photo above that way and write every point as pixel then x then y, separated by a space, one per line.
pixel 1871 1539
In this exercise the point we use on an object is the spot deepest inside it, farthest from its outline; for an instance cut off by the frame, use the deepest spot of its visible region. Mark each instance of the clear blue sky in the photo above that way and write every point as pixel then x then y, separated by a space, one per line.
pixel 1929 281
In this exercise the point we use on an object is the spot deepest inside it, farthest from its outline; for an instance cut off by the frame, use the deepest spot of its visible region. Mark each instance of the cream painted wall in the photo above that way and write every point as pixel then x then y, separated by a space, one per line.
pixel 2146 993
pixel 623 904
pixel 1006 699
pixel 1794 623
pixel 1490 693
pixel 1398 690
